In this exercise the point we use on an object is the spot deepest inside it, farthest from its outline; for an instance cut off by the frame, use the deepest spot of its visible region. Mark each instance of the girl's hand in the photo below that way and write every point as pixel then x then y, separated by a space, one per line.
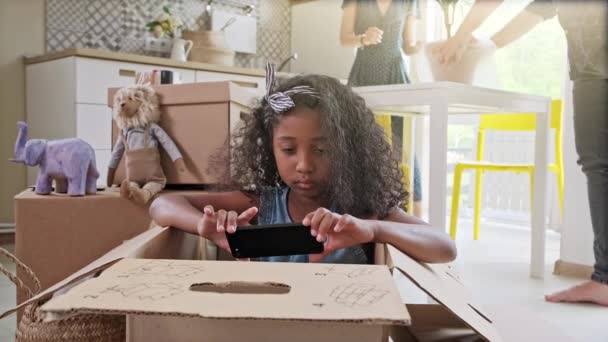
pixel 372 36
pixel 340 231
pixel 214 224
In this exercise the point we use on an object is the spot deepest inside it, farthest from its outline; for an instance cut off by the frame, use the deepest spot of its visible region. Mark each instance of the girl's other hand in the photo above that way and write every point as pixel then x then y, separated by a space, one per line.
pixel 372 36
pixel 214 224
pixel 339 231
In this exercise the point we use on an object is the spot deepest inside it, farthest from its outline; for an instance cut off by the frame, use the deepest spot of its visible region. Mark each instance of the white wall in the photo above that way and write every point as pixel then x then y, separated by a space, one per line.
pixel 21 32
pixel 577 233
pixel 315 32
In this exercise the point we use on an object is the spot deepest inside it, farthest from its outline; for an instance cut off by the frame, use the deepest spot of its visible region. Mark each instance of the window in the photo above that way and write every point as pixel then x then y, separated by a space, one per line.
pixel 533 64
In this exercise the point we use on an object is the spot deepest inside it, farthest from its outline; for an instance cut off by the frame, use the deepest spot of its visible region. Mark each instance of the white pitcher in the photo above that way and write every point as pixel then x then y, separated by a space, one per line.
pixel 181 49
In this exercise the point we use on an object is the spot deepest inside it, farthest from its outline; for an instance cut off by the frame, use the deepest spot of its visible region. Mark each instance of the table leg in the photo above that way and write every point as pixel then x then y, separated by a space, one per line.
pixel 539 206
pixel 438 143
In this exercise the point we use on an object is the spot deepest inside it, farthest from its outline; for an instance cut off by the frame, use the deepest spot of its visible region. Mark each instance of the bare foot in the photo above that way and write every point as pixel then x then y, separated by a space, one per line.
pixel 588 292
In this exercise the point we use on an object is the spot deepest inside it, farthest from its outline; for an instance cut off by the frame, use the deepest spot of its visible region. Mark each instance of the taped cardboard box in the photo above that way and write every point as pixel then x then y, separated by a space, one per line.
pixel 199 118
pixel 459 317
pixel 57 235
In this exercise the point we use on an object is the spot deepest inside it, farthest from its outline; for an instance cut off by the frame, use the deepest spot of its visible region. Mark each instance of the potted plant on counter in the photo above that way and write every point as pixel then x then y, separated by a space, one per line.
pixel 169 25
pixel 449 9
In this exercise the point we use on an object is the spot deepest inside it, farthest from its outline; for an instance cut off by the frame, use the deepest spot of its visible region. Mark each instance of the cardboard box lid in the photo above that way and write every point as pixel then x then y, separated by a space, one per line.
pixel 203 92
pixel 240 290
pixel 440 282
pixel 128 248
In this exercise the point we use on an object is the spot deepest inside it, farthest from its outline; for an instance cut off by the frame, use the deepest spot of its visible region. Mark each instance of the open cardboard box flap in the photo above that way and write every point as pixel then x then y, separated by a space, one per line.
pixel 129 248
pixel 440 282
pixel 342 293
pixel 168 243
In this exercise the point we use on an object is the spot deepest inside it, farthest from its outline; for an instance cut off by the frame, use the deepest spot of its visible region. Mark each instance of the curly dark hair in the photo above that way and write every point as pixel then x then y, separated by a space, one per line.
pixel 365 179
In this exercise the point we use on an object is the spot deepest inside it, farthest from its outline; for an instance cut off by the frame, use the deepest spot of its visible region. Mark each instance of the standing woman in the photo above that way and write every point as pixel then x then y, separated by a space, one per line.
pixel 382 31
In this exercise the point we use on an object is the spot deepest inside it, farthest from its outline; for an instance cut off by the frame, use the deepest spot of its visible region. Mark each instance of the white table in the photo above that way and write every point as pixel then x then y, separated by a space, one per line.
pixel 440 99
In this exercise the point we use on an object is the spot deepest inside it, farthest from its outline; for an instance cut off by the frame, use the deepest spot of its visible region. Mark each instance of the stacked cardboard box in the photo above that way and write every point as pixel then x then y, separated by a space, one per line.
pixel 199 118
pixel 56 235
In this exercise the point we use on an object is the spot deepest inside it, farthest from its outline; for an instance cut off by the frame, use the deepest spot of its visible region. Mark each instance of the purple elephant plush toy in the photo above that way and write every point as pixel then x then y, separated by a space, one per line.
pixel 70 162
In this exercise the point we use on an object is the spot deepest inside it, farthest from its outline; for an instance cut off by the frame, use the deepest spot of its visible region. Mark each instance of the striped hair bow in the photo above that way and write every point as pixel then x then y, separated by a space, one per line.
pixel 281 102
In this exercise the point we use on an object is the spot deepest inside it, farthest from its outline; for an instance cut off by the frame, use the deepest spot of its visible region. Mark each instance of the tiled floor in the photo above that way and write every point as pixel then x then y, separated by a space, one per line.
pixel 495 269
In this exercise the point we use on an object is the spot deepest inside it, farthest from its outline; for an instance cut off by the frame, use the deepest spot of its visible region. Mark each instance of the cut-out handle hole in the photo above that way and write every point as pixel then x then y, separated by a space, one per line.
pixel 242 287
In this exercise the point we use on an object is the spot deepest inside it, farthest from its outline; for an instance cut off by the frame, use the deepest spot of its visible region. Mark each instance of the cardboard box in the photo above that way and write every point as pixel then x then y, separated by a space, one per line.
pixel 458 315
pixel 199 118
pixel 57 235
pixel 266 301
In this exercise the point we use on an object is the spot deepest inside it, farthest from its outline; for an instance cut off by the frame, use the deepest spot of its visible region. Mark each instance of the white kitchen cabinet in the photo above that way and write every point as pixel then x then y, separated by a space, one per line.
pixel 93 122
pixel 94 76
pixel 102 157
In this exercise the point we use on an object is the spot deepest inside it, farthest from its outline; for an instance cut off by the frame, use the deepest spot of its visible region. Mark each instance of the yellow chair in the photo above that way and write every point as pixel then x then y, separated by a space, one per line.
pixel 501 122
pixel 384 120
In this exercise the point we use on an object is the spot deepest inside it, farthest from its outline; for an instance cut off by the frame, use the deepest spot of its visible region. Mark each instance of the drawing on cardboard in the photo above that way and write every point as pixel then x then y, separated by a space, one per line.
pixel 142 291
pixel 163 268
pixel 356 273
pixel 358 294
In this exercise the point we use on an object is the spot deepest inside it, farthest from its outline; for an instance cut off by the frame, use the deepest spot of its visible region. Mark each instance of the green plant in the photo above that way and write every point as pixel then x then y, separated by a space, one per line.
pixel 449 9
pixel 165 24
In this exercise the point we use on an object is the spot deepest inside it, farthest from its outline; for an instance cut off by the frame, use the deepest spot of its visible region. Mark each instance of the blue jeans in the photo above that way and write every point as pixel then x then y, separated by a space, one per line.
pixel 591 136
pixel 397 130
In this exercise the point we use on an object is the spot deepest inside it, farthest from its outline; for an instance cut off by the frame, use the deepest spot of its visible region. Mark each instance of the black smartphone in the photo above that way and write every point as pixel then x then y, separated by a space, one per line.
pixel 272 240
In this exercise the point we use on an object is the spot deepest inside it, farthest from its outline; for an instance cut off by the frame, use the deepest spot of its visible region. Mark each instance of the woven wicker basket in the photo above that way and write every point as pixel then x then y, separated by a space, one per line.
pixel 79 328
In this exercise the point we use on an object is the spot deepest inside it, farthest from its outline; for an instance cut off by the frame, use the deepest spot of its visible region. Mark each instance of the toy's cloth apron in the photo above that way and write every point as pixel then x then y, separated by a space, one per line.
pixel 143 164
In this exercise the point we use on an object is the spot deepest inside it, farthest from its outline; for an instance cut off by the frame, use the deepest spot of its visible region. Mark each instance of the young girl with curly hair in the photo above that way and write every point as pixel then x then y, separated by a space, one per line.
pixel 311 152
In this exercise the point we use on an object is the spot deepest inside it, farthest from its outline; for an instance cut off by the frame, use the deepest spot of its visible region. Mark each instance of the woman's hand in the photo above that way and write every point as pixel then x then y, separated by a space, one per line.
pixel 214 224
pixel 339 231
pixel 451 51
pixel 413 49
pixel 372 36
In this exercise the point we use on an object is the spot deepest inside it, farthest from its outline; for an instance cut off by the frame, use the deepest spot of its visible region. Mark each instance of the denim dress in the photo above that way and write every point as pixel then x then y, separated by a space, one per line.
pixel 273 209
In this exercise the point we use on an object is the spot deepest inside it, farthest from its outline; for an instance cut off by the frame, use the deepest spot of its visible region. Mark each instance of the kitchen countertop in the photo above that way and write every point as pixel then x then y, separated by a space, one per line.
pixel 141 59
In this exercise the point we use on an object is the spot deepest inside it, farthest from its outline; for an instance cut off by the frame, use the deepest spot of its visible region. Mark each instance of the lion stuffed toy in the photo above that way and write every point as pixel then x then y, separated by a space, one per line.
pixel 136 113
